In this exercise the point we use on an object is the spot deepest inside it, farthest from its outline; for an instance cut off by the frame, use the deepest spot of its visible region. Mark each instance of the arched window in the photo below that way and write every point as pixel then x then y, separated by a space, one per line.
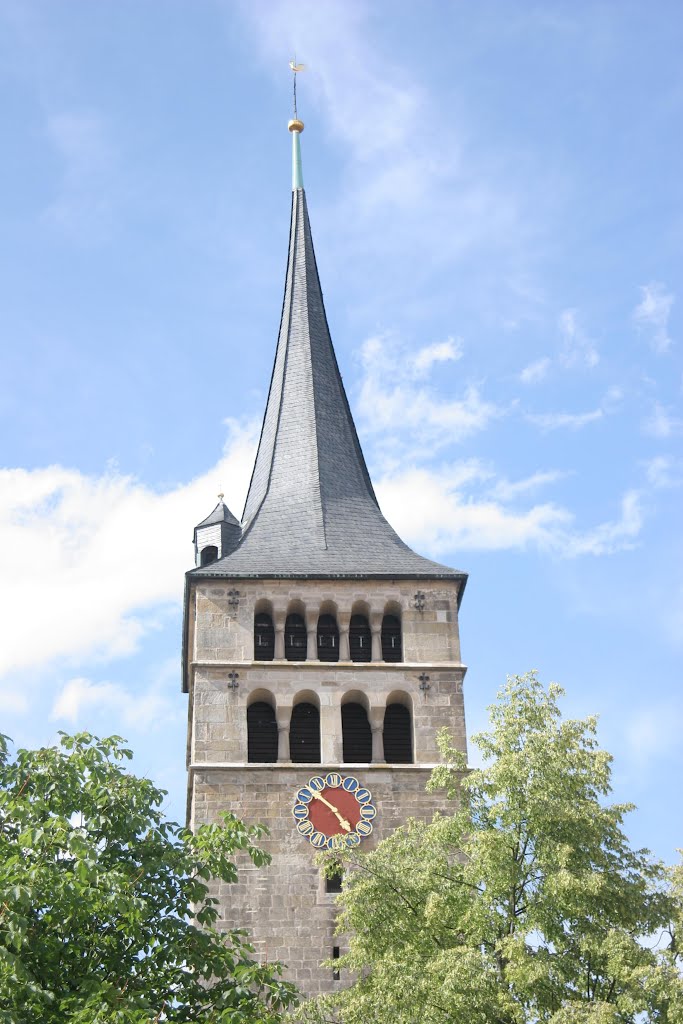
pixel 304 734
pixel 261 732
pixel 328 638
pixel 209 554
pixel 295 638
pixel 356 734
pixel 391 638
pixel 264 637
pixel 360 639
pixel 398 740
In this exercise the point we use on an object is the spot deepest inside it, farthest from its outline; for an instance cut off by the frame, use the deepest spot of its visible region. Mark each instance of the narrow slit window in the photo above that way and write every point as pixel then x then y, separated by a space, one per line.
pixel 360 638
pixel 261 732
pixel 356 734
pixel 335 956
pixel 295 638
pixel 264 637
pixel 328 638
pixel 304 734
pixel 392 647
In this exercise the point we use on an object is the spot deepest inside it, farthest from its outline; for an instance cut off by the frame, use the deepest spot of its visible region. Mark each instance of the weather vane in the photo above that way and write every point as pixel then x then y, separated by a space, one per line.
pixel 296 68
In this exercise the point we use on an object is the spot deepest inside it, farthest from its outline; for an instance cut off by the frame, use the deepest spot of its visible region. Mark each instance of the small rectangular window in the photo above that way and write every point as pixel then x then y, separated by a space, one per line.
pixel 333 883
pixel 335 956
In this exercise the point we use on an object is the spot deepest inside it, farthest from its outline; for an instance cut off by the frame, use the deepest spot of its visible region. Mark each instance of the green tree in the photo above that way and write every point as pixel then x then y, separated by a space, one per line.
pixel 106 910
pixel 525 904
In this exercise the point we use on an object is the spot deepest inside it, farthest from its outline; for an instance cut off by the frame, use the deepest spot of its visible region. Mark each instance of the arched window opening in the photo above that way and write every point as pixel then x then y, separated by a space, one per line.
pixel 295 638
pixel 391 638
pixel 356 734
pixel 264 637
pixel 328 638
pixel 304 734
pixel 360 639
pixel 261 732
pixel 398 741
pixel 209 554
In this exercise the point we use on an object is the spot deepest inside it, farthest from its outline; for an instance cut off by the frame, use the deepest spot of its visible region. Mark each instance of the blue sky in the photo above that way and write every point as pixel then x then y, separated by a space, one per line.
pixel 495 196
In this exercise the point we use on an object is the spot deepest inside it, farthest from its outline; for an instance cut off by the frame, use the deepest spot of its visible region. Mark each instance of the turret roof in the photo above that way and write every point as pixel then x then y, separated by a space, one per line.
pixel 221 514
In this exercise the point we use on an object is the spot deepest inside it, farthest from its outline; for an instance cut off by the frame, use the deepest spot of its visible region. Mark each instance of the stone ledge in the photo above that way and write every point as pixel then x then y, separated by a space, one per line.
pixel 313 769
pixel 364 666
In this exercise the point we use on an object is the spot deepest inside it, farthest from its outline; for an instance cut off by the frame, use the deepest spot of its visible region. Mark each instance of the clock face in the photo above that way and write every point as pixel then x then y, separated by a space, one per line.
pixel 334 811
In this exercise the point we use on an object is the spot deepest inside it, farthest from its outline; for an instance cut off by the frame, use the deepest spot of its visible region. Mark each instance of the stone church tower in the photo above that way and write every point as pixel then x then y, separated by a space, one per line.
pixel 320 653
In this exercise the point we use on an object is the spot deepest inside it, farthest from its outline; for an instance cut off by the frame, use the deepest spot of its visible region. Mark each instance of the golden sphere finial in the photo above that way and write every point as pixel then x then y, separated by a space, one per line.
pixel 295 125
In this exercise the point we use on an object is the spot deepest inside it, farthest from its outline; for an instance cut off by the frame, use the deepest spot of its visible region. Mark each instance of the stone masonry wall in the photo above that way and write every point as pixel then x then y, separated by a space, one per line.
pixel 225 631
pixel 285 906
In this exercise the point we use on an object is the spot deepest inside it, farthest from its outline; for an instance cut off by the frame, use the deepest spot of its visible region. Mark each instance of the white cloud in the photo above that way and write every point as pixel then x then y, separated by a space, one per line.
pixel 406 179
pixel 610 537
pixel 508 490
pixel 577 349
pixel 664 472
pixel 369 103
pixel 80 694
pixel 535 372
pixel 430 510
pixel 391 400
pixel 652 314
pixel 91 559
pixel 81 699
pixel 660 423
pixel 570 420
pixel 577 420
pixel 440 352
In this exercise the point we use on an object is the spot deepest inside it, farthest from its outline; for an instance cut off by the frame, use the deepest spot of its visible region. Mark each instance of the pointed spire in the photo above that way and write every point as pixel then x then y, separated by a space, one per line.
pixel 311 510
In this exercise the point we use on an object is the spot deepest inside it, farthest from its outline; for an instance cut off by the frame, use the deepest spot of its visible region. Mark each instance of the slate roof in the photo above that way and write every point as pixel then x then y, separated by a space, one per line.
pixel 311 510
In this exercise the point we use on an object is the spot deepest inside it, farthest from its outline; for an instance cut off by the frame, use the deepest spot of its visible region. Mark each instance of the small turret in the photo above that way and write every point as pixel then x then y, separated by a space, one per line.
pixel 217 535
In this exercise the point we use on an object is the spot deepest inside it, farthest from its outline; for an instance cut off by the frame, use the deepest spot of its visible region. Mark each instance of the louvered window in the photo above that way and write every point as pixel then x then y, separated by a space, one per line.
pixel 360 639
pixel 328 638
pixel 356 734
pixel 398 740
pixel 261 732
pixel 295 638
pixel 304 734
pixel 209 554
pixel 391 639
pixel 264 637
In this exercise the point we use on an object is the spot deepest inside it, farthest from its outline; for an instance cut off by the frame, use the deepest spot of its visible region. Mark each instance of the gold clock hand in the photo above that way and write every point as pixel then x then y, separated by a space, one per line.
pixel 342 821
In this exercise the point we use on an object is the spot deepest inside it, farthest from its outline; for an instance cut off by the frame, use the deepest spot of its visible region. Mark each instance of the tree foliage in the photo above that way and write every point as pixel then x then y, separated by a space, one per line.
pixel 106 910
pixel 525 904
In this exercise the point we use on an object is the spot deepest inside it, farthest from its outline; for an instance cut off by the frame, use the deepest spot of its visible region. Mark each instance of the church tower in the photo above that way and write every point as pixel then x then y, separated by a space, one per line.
pixel 321 654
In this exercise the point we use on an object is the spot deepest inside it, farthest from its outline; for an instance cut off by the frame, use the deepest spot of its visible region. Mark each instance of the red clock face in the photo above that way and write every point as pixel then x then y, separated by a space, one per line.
pixel 334 811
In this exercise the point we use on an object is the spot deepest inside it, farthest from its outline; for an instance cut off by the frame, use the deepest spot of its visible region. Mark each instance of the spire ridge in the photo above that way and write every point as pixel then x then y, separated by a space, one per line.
pixel 311 510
